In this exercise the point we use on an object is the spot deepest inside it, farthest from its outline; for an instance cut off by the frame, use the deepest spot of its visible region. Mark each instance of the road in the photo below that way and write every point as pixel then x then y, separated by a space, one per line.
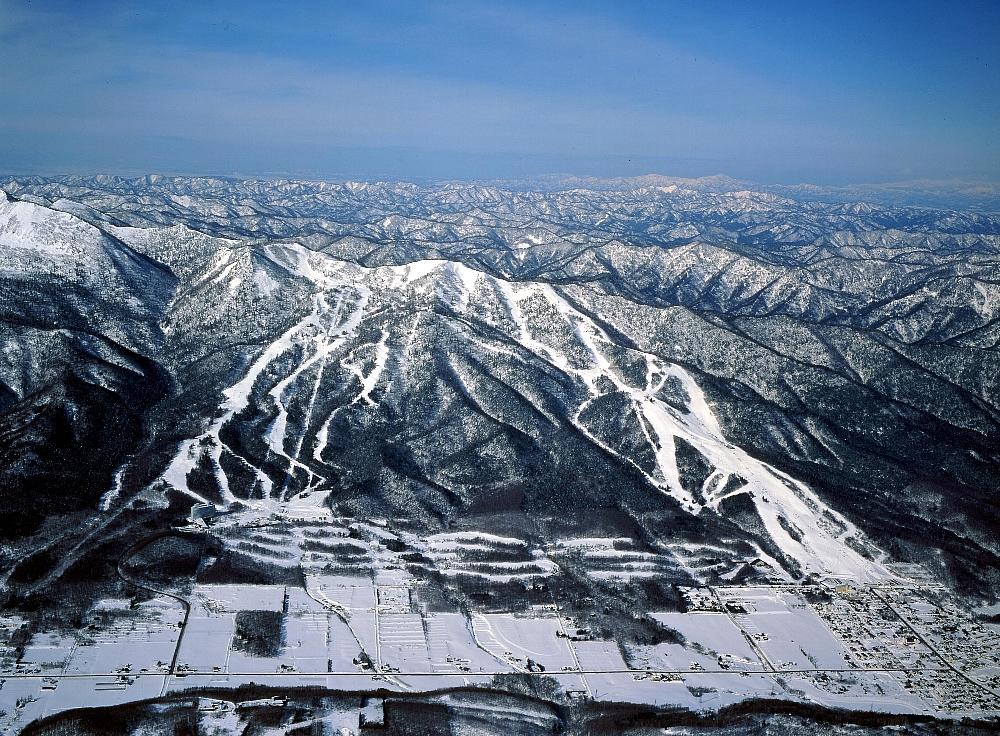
pixel 485 673
pixel 335 610
pixel 746 635
pixel 572 649
pixel 916 632
pixel 120 569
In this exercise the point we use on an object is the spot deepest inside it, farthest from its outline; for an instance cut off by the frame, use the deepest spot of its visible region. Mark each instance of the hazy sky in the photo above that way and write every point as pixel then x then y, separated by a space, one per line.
pixel 777 92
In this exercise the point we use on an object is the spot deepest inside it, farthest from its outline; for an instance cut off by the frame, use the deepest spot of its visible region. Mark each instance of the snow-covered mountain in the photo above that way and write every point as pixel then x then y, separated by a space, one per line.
pixel 742 385
pixel 79 340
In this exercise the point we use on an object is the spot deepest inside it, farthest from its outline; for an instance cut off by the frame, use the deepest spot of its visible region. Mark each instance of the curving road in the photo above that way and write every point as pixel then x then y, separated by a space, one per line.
pixel 119 569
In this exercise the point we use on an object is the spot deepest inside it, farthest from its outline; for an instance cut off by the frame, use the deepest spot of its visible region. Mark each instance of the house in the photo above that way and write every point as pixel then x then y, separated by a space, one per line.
pixel 202 512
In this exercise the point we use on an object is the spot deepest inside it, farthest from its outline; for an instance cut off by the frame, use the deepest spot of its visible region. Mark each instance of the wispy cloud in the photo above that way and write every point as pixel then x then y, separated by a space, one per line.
pixel 453 78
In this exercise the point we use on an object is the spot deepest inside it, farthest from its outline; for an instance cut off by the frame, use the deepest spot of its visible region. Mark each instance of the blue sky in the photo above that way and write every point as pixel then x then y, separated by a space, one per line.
pixel 840 92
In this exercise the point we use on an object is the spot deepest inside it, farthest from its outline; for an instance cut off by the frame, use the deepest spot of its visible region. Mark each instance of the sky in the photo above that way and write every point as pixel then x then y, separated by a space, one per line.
pixel 775 92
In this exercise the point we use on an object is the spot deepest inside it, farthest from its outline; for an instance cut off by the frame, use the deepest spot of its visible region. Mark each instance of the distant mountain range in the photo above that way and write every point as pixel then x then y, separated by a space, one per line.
pixel 980 196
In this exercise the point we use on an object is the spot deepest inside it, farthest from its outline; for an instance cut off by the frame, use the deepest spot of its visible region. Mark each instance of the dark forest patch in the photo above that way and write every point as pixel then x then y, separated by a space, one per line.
pixel 259 633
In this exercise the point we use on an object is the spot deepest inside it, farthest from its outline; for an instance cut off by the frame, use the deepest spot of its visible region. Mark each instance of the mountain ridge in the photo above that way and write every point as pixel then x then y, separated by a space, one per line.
pixel 772 357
